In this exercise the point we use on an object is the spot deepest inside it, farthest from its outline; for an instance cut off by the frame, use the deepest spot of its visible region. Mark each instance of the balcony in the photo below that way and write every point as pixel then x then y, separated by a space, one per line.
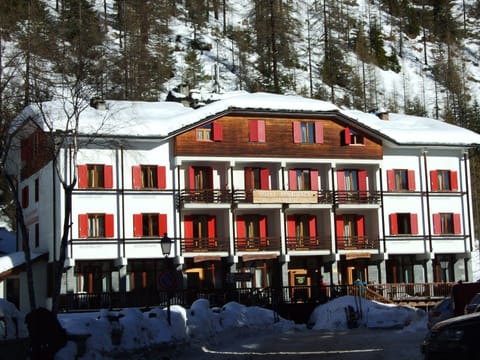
pixel 204 244
pixel 257 244
pixel 356 243
pixel 305 243
pixel 257 196
pixel 357 197
pixel 212 196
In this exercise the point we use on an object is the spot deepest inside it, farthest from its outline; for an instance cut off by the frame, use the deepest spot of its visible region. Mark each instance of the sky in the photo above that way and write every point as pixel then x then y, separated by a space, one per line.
pixel 134 330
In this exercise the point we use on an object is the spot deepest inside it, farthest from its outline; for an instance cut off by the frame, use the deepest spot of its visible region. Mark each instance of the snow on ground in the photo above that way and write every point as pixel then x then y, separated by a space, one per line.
pixel 113 333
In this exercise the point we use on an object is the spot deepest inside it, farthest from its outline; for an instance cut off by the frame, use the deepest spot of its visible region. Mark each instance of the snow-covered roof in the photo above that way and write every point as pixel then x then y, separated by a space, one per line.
pixel 163 119
pixel 10 261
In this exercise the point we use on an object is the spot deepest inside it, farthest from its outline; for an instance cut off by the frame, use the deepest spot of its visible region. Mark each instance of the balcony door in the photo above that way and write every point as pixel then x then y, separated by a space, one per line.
pixel 201 183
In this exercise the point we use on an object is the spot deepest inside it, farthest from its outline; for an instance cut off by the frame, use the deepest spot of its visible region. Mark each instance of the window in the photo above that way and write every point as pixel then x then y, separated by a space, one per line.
pixel 149 225
pixel 95 176
pixel 352 137
pixel 200 178
pixel 446 223
pixel 301 230
pixel 303 179
pixel 403 224
pixel 200 232
pixel 257 130
pixel 37 190
pixel 251 232
pixel 25 197
pixel 37 235
pixel 352 180
pixel 257 178
pixel 307 132
pixel 149 177
pixel 209 132
pixel 350 230
pixel 443 180
pixel 400 180
pixel 95 225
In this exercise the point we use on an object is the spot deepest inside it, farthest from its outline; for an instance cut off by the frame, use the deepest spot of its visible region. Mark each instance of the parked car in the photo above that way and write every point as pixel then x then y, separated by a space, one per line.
pixel 441 311
pixel 472 305
pixel 454 338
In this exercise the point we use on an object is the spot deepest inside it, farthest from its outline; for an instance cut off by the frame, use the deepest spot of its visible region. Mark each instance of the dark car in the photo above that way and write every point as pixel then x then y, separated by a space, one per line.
pixel 472 305
pixel 455 338
pixel 443 310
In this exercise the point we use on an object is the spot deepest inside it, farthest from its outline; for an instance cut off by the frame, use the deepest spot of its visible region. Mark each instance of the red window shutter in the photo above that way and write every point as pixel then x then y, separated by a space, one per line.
pixel 217 132
pixel 437 225
pixel 393 224
pixel 318 133
pixel 456 224
pixel 453 180
pixel 248 171
pixel 264 177
pixel 188 231
pixel 433 180
pixel 313 227
pixel 263 230
pixel 212 234
pixel 362 180
pixel 162 224
pixel 361 225
pixel 411 180
pixel 83 225
pixel 241 235
pixel 414 224
pixel 136 177
pixel 341 180
pixel 191 178
pixel 188 226
pixel 292 179
pixel 297 133
pixel 137 225
pixel 339 229
pixel 82 176
pixel 346 136
pixel 162 177
pixel 257 130
pixel 313 179
pixel 109 229
pixel 391 180
pixel 108 176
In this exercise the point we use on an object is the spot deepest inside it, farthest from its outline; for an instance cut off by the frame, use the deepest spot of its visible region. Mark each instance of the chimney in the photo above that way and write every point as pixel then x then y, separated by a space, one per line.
pixel 381 113
pixel 97 103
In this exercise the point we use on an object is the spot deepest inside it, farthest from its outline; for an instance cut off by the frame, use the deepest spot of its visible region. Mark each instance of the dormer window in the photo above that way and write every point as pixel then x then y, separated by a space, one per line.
pixel 352 137
pixel 209 132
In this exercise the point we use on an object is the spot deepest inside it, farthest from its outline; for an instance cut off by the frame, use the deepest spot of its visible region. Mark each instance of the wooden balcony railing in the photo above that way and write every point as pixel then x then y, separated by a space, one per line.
pixel 204 244
pixel 305 243
pixel 257 243
pixel 357 197
pixel 205 196
pixel 356 242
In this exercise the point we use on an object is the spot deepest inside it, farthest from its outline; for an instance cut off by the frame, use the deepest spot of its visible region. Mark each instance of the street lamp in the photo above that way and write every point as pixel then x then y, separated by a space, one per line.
pixel 444 267
pixel 167 279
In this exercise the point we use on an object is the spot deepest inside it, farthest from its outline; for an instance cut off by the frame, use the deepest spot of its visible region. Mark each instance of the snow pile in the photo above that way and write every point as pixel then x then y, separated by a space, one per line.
pixel 12 322
pixel 112 334
pixel 370 314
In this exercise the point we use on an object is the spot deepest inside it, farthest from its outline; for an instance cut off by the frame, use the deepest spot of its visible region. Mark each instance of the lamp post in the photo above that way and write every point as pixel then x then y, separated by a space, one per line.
pixel 167 279
pixel 444 267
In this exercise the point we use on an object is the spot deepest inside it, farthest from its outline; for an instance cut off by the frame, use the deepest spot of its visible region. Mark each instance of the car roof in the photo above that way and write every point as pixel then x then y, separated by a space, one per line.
pixel 474 318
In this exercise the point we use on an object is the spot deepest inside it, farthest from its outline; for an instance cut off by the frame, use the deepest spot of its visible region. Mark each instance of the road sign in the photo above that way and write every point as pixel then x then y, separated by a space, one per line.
pixel 167 280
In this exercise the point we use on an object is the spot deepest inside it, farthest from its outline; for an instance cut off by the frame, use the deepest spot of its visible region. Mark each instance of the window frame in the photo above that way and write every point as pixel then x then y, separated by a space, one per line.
pixel 84 176
pixel 308 132
pixel 85 222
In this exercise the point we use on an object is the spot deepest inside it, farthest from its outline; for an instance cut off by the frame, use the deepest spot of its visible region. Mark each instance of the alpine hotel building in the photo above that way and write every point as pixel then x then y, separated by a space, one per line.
pixel 281 187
